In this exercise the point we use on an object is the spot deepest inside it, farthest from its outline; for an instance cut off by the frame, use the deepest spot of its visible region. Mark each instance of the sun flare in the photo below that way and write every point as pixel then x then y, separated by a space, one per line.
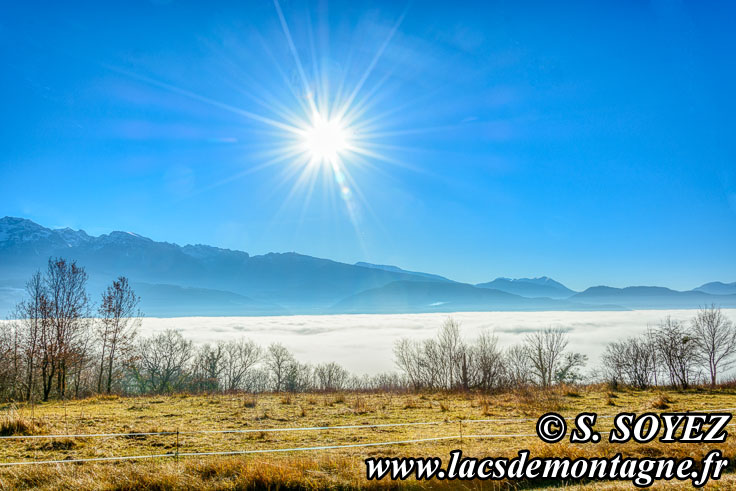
pixel 325 139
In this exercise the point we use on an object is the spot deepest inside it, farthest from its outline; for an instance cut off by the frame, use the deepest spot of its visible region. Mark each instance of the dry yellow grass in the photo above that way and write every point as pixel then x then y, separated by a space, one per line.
pixel 336 469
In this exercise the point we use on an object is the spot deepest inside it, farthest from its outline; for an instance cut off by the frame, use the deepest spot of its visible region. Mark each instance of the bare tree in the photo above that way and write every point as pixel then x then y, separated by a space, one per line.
pixel 68 311
pixel 278 362
pixel 51 330
pixel 545 349
pixel 297 376
pixel 466 367
pixel 678 350
pixel 487 362
pixel 518 365
pixel 407 356
pixel 331 376
pixel 208 366
pixel 715 338
pixel 80 377
pixel 10 360
pixel 613 363
pixel 239 359
pixel 449 360
pixel 432 364
pixel 631 361
pixel 162 363
pixel 119 319
pixel 256 380
pixel 31 315
pixel 48 355
pixel 445 362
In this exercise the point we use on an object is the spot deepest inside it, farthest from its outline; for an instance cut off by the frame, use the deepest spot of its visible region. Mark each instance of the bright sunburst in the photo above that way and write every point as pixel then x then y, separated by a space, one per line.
pixel 326 139
pixel 327 134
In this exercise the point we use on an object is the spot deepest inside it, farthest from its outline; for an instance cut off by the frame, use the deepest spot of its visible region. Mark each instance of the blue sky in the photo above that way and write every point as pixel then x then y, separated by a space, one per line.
pixel 588 141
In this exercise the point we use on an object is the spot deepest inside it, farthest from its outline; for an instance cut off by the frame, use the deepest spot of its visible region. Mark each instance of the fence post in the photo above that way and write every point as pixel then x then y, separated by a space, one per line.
pixel 176 456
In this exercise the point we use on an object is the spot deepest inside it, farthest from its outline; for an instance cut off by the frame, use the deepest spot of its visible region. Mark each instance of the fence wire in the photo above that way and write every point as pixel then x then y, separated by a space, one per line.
pixel 267 430
pixel 304 428
pixel 261 451
pixel 291 449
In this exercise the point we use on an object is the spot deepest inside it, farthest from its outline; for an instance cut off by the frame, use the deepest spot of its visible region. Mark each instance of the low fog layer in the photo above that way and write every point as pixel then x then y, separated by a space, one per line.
pixel 364 343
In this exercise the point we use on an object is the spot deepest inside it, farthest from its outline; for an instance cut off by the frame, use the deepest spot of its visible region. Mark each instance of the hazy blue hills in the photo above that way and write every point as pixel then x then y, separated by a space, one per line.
pixel 643 297
pixel 168 300
pixel 530 287
pixel 175 280
pixel 402 296
pixel 718 288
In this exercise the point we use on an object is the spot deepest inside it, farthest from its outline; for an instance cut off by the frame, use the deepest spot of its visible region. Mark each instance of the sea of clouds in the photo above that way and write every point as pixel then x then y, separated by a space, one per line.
pixel 364 343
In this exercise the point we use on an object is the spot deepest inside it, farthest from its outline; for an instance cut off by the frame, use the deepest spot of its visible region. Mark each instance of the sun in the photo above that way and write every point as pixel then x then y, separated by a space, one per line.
pixel 325 139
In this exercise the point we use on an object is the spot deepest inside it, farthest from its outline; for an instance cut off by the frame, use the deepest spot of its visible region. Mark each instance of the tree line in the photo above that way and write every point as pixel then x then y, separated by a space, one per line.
pixel 674 353
pixel 167 362
pixel 61 344
pixel 448 362
pixel 58 345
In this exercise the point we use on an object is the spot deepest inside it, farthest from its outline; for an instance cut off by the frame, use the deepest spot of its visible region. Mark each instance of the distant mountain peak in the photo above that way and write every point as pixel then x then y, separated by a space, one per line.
pixel 16 220
pixel 542 286
pixel 718 288
pixel 119 234
pixel 19 224
pixel 539 280
pixel 22 230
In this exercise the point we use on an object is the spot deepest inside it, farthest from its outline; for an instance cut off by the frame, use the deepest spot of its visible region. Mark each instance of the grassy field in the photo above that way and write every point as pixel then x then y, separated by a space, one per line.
pixel 335 468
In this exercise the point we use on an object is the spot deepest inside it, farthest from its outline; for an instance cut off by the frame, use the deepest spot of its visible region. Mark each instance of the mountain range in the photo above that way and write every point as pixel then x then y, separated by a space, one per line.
pixel 530 287
pixel 191 280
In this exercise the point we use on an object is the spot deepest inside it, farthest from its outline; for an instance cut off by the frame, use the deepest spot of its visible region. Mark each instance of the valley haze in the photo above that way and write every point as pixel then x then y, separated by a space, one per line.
pixel 201 280
pixel 362 342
